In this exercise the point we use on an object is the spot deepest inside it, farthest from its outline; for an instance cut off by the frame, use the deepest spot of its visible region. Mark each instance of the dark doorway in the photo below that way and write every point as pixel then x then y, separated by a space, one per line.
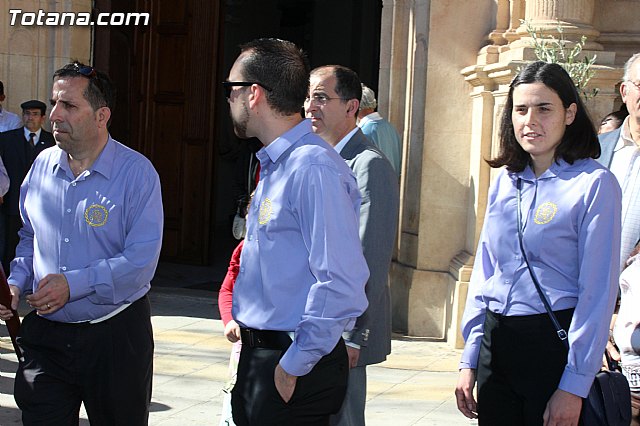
pixel 172 109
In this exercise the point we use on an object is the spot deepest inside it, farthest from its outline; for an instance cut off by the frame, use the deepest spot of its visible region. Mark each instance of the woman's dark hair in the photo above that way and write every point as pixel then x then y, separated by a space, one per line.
pixel 580 139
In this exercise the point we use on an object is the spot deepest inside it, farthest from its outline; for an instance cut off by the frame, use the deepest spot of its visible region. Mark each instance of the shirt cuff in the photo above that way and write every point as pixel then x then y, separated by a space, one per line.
pixel 297 362
pixel 19 281
pixel 351 344
pixel 78 284
pixel 470 355
pixel 577 384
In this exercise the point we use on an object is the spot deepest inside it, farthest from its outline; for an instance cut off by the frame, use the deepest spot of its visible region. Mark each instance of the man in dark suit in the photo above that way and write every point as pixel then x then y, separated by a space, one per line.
pixel 332 105
pixel 18 149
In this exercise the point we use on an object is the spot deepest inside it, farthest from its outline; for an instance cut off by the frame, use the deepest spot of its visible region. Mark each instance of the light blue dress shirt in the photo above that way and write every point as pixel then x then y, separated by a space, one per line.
pixel 302 267
pixel 384 136
pixel 102 230
pixel 571 216
pixel 9 120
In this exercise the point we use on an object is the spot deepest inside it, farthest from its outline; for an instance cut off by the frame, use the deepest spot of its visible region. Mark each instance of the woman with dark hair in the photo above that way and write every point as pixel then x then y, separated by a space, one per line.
pixel 566 209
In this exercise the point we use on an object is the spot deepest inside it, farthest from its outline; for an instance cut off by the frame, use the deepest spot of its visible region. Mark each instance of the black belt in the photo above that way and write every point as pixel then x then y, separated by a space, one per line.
pixel 266 339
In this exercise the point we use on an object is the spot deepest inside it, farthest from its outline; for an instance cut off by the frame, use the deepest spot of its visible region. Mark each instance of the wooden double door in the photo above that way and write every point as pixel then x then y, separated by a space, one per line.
pixel 171 106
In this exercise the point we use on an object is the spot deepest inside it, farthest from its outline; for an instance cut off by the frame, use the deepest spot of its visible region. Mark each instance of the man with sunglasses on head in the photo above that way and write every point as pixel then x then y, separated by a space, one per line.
pixel 332 105
pixel 302 272
pixel 18 149
pixel 88 249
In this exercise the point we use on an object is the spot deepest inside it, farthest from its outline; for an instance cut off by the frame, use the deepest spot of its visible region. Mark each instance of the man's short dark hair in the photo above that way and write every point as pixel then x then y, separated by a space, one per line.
pixel 100 91
pixel 580 139
pixel 348 84
pixel 280 66
pixel 1 89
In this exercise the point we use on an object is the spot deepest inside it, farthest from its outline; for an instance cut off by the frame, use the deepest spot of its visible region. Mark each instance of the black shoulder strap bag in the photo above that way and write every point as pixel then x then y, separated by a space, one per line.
pixel 609 399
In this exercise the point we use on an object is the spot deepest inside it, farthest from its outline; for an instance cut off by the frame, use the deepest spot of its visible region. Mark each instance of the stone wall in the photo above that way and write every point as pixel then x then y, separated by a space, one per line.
pixel 446 91
pixel 30 54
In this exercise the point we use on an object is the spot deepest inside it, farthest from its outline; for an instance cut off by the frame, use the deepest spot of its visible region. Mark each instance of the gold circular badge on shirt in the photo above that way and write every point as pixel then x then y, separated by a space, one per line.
pixel 265 211
pixel 96 215
pixel 545 213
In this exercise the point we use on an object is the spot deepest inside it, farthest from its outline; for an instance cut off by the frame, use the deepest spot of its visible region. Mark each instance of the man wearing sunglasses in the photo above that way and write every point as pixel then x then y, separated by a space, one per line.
pixel 302 272
pixel 332 105
pixel 88 249
pixel 18 149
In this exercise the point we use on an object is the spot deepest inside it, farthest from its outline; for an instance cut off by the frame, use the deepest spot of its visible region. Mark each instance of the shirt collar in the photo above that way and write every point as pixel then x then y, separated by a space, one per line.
pixel 558 166
pixel 27 132
pixel 625 136
pixel 275 149
pixel 102 165
pixel 374 116
pixel 340 145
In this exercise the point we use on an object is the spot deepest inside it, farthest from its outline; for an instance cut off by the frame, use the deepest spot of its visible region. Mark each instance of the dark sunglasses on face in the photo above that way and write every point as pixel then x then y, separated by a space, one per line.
pixel 229 85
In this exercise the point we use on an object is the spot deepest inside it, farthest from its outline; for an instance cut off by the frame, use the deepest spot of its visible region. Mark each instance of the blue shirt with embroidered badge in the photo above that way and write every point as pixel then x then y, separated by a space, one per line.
pixel 302 267
pixel 571 216
pixel 102 230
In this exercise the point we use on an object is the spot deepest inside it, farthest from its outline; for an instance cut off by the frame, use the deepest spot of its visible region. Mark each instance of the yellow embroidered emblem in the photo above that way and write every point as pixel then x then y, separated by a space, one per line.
pixel 265 211
pixel 96 215
pixel 545 213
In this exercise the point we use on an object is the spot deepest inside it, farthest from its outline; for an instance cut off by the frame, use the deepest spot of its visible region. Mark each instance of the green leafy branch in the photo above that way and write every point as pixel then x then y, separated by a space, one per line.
pixel 558 50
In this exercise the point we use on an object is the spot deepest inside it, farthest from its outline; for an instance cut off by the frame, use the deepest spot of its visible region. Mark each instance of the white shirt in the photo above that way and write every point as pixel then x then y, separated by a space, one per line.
pixel 625 165
pixel 36 138
pixel 344 140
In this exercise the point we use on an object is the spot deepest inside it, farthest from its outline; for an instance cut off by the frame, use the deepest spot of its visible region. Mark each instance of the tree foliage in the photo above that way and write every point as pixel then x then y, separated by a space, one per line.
pixel 558 50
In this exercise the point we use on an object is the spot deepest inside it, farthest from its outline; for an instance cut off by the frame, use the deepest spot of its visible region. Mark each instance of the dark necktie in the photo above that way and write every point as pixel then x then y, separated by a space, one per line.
pixel 32 139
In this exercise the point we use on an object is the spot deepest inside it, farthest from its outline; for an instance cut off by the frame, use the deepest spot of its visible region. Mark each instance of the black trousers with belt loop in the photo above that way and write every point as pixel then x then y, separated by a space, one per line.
pixel 107 365
pixel 255 400
pixel 519 368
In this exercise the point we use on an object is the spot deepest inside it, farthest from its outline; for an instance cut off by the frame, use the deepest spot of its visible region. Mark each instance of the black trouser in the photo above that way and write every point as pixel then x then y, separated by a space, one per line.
pixel 108 366
pixel 12 225
pixel 519 368
pixel 318 394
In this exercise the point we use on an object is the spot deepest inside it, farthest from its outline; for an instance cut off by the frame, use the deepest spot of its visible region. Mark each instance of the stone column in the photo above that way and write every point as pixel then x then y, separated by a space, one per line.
pixel 409 71
pixel 574 17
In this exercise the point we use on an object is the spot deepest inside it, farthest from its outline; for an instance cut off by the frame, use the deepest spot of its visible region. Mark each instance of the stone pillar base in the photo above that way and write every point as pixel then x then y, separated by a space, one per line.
pixel 421 301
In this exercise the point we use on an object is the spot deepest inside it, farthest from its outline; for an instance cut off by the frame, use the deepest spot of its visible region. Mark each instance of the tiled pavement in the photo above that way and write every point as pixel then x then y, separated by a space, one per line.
pixel 413 387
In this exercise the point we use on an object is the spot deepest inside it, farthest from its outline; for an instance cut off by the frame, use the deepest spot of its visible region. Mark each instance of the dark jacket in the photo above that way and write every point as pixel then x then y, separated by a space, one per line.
pixel 18 156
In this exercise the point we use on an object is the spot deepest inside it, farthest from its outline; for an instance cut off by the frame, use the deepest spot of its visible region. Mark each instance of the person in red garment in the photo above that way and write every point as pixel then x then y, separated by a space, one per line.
pixel 231 330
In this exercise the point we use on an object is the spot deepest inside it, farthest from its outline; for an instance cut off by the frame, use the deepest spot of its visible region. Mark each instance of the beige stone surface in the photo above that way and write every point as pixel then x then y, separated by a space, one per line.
pixel 30 54
pixel 444 195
